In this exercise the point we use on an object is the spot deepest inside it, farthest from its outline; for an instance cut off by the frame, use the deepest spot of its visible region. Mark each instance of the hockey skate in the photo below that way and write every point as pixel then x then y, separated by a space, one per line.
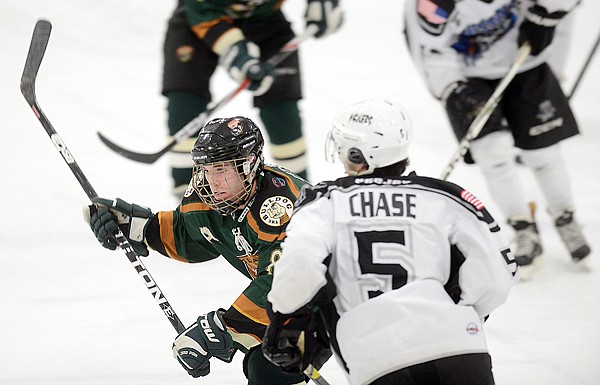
pixel 572 236
pixel 527 246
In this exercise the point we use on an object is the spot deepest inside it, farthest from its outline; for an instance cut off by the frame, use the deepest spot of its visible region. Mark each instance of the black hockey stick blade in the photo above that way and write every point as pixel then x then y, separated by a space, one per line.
pixel 196 125
pixel 136 156
pixel 39 42
pixel 187 131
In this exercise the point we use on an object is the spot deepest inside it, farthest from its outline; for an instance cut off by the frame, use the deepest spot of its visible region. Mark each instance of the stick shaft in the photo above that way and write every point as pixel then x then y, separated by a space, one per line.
pixel 39 42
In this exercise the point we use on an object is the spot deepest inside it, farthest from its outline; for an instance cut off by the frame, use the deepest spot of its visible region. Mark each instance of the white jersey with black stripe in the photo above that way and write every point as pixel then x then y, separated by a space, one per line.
pixel 451 40
pixel 416 262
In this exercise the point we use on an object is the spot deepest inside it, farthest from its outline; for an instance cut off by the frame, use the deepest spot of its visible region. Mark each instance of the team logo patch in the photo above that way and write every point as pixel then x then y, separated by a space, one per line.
pixel 279 182
pixel 184 53
pixel 235 126
pixel 472 328
pixel 467 196
pixel 546 111
pixel 276 211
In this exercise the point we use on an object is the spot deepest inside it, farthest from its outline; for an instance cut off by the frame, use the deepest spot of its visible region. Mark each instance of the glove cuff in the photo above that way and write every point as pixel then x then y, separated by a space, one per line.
pixel 453 88
pixel 540 16
pixel 227 40
pixel 137 229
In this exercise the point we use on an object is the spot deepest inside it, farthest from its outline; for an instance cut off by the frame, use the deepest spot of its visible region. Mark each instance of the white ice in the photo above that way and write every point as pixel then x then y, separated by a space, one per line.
pixel 75 313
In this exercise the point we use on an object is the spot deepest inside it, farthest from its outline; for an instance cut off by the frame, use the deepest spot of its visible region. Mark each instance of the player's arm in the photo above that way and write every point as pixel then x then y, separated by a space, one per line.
pixel 489 269
pixel 221 332
pixel 168 234
pixel 240 57
pixel 430 34
pixel 540 21
pixel 300 284
pixel 164 231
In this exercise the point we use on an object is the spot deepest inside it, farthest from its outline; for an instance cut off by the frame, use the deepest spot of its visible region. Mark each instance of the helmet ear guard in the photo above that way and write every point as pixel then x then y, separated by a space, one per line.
pixel 356 156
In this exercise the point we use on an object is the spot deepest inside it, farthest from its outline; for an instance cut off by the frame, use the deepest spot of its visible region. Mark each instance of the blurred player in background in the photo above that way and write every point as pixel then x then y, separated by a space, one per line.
pixel 239 35
pixel 463 50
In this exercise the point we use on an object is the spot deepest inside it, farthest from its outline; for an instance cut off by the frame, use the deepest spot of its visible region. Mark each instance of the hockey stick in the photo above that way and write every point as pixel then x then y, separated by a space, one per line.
pixel 584 68
pixel 39 42
pixel 197 123
pixel 37 49
pixel 486 111
pixel 312 373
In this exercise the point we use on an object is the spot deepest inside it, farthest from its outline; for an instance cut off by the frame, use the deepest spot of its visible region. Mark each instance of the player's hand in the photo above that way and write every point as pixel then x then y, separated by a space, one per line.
pixel 538 28
pixel 465 101
pixel 327 15
pixel 206 338
pixel 106 217
pixel 290 341
pixel 242 61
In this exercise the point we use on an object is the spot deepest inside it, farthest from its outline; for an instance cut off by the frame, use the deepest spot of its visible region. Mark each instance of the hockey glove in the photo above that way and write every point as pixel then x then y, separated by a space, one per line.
pixel 538 28
pixel 106 217
pixel 464 102
pixel 206 338
pixel 291 340
pixel 241 61
pixel 327 15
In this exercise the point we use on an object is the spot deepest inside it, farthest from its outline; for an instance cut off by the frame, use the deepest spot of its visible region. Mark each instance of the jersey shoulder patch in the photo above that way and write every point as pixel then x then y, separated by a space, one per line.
pixel 273 206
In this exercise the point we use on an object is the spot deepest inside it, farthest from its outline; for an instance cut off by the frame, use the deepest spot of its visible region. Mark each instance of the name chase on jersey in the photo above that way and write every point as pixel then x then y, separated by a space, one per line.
pixel 379 203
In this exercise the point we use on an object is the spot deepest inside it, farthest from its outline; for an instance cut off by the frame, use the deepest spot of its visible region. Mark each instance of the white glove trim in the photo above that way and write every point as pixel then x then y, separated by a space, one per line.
pixel 136 229
pixel 226 40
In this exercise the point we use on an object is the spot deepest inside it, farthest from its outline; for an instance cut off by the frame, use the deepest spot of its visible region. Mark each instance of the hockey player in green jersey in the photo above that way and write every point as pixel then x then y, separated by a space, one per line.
pixel 236 207
pixel 239 36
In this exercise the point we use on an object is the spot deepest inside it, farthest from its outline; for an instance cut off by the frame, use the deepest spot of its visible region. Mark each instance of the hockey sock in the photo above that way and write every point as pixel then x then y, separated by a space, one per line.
pixel 182 108
pixel 494 153
pixel 551 175
pixel 284 127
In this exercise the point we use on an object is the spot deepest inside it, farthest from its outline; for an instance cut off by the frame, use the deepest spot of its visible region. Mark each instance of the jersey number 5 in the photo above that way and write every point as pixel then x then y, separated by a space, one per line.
pixel 368 255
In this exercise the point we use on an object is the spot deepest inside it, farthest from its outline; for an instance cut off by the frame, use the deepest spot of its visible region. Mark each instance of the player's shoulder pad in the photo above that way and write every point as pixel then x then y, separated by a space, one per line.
pixel 458 194
pixel 323 189
pixel 453 190
pixel 273 205
pixel 432 15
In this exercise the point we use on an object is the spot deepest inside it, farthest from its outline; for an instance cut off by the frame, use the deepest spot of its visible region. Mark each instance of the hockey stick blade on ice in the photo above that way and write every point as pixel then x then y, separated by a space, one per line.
pixel 197 123
pixel 486 111
pixel 39 42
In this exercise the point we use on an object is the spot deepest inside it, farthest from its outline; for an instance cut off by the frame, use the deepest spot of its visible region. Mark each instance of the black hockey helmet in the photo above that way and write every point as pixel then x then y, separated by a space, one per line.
pixel 224 143
pixel 227 139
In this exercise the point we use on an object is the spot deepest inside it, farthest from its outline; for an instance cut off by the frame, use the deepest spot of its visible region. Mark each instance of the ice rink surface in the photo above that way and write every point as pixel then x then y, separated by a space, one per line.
pixel 75 313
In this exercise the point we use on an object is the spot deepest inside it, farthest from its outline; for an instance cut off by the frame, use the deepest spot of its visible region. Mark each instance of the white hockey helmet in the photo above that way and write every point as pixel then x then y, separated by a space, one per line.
pixel 375 133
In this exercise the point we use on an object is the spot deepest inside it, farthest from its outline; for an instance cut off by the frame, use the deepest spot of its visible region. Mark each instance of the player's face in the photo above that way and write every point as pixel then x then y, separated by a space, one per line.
pixel 224 180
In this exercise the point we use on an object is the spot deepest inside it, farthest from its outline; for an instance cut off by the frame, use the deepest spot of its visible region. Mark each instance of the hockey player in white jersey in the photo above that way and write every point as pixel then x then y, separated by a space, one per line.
pixel 463 49
pixel 404 269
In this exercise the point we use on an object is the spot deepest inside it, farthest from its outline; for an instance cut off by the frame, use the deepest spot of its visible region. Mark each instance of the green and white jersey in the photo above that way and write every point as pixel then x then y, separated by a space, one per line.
pixel 249 239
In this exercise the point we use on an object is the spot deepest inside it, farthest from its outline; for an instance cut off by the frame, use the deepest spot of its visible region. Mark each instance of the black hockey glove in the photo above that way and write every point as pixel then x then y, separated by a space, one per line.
pixel 206 338
pixel 464 103
pixel 242 61
pixel 106 217
pixel 291 340
pixel 327 15
pixel 538 28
